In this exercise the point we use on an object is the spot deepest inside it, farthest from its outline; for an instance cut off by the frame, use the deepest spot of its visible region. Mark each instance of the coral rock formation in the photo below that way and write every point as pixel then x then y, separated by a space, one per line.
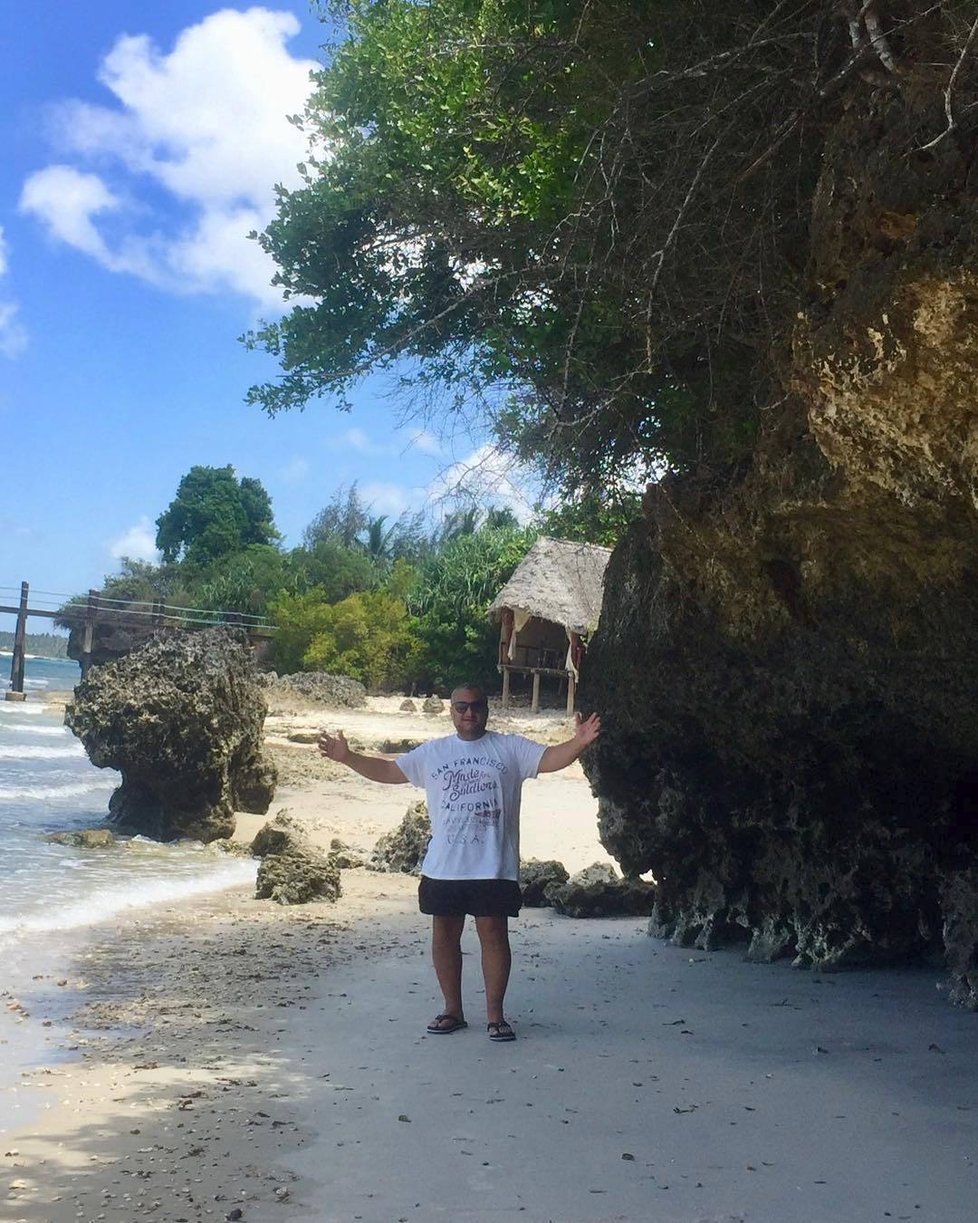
pixel 181 718
pixel 599 893
pixel 83 838
pixel 404 847
pixel 318 688
pixel 539 879
pixel 292 870
pixel 788 654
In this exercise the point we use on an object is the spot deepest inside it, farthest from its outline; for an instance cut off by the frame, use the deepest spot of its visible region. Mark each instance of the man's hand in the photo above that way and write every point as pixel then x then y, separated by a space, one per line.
pixel 374 768
pixel 586 730
pixel 334 747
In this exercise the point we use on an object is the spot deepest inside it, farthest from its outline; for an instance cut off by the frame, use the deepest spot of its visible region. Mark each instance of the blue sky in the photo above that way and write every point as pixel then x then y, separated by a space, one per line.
pixel 139 142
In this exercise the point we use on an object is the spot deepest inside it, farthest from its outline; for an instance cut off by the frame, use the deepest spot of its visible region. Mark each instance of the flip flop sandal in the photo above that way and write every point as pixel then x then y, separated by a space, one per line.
pixel 500 1031
pixel 442 1025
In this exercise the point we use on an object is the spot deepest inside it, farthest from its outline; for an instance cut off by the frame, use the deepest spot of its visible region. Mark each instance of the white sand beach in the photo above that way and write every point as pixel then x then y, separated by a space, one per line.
pixel 238 1060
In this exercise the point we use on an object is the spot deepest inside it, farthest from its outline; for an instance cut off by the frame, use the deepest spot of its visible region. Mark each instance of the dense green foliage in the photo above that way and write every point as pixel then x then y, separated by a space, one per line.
pixel 592 519
pixel 347 522
pixel 455 586
pixel 552 200
pixel 397 604
pixel 369 636
pixel 214 515
pixel 422 626
pixel 600 213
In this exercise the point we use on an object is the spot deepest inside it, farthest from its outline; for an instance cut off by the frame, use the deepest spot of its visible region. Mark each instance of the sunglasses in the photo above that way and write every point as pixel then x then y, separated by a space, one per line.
pixel 465 706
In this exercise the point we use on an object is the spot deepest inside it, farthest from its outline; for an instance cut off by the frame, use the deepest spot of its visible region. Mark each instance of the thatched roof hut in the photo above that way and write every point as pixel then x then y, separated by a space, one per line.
pixel 557 581
pixel 550 603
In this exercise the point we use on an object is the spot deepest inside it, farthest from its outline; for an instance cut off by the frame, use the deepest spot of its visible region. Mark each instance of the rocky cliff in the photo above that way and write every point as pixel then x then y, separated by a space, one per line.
pixel 181 718
pixel 787 662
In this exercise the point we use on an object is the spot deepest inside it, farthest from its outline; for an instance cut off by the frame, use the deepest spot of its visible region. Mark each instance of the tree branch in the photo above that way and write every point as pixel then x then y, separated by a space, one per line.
pixel 948 110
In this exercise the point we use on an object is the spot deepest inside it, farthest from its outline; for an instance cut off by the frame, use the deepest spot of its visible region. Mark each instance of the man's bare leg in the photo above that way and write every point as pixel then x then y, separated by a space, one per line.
pixel 446 955
pixel 496 962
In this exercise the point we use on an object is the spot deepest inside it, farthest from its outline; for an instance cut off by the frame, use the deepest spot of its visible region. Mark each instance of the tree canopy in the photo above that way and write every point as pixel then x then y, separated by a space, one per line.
pixel 399 604
pixel 348 522
pixel 213 515
pixel 450 598
pixel 342 520
pixel 600 211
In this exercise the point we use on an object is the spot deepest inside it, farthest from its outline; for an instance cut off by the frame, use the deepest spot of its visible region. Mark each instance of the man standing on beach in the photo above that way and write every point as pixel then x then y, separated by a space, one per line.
pixel 473 781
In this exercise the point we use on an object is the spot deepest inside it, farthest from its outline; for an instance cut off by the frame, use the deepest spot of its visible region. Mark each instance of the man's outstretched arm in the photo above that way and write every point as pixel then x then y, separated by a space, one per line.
pixel 586 731
pixel 374 768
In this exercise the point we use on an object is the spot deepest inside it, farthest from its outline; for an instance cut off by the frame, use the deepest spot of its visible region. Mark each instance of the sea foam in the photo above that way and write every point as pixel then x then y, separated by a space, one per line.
pixel 68 790
pixel 27 728
pixel 14 751
pixel 134 894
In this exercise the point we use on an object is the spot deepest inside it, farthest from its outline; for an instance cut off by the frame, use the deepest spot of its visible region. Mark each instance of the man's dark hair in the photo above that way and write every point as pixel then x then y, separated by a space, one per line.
pixel 470 688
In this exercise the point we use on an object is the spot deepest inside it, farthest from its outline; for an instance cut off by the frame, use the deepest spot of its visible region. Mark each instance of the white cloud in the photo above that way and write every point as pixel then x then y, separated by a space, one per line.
pixel 188 157
pixel 356 439
pixel 389 499
pixel 420 440
pixel 487 477
pixel 425 442
pixel 69 201
pixel 13 337
pixel 138 543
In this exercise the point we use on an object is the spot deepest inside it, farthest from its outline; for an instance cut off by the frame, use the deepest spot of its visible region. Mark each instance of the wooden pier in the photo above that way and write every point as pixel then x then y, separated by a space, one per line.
pixel 99 610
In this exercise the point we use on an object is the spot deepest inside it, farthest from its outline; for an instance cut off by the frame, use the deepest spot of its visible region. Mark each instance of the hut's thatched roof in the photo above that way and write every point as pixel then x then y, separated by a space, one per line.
pixel 557 581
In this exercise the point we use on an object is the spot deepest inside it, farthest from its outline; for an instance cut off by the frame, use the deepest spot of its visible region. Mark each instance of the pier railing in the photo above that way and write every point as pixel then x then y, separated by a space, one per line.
pixel 86 613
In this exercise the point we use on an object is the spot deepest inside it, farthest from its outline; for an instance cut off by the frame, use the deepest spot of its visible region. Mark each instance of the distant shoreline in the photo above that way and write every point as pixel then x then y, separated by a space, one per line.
pixel 38 645
pixel 39 657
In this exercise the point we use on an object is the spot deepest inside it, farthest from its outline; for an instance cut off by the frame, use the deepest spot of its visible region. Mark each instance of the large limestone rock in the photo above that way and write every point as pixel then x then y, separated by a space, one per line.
pixel 788 654
pixel 789 744
pixel 181 718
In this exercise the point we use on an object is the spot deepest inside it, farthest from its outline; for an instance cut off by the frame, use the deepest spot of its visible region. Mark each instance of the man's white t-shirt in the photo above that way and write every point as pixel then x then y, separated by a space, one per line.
pixel 473 789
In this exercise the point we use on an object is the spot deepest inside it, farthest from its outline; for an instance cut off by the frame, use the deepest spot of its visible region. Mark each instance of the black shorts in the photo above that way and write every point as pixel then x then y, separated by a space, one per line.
pixel 479 897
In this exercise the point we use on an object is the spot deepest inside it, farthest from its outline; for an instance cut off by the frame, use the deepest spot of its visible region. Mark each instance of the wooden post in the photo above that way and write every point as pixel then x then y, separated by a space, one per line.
pixel 535 702
pixel 575 660
pixel 16 692
pixel 159 612
pixel 507 628
pixel 505 671
pixel 88 637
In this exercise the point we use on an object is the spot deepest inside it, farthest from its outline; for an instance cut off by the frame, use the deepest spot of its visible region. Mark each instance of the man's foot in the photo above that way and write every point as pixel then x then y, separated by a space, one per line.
pixel 441 1025
pixel 500 1031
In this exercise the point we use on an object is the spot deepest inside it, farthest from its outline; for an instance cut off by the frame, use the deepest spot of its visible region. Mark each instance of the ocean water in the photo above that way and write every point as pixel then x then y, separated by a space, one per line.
pixel 53 896
pixel 56 899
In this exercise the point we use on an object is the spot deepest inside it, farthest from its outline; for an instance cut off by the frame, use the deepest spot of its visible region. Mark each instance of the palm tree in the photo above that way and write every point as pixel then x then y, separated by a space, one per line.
pixel 376 542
